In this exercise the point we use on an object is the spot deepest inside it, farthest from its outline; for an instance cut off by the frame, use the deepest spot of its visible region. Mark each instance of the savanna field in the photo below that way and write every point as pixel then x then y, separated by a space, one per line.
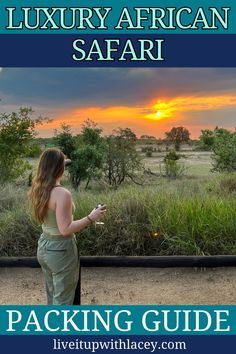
pixel 158 147
pixel 193 214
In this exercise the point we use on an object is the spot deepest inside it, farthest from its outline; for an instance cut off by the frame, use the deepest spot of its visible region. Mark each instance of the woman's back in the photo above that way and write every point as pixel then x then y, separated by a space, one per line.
pixel 49 225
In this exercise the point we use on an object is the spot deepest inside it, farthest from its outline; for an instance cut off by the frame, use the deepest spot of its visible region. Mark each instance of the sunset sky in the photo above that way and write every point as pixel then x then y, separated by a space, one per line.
pixel 149 101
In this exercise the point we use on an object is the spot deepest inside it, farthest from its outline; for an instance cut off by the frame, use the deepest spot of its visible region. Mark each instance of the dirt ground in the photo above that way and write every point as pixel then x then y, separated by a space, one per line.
pixel 128 286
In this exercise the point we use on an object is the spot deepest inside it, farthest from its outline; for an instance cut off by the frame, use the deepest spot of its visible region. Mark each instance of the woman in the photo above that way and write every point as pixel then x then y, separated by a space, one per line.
pixel 53 208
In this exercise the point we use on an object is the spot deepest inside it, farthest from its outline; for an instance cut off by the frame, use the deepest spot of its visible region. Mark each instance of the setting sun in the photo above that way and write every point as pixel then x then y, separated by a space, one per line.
pixel 158 114
pixel 161 110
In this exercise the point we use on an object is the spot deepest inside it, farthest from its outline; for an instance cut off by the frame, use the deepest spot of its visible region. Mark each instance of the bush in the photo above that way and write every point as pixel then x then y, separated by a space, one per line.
pixel 173 169
pixel 34 151
pixel 148 150
pixel 172 155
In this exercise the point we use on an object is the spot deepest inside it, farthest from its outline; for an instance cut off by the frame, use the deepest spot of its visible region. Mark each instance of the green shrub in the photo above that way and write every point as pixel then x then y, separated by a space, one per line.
pixel 172 168
pixel 148 150
pixel 35 150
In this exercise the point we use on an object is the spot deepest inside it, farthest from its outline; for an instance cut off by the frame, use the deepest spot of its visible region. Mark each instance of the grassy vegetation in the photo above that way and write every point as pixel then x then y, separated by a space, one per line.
pixel 193 215
pixel 197 163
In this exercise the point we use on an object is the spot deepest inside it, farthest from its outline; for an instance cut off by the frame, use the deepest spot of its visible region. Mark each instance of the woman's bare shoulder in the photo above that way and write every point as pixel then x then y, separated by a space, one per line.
pixel 61 193
pixel 61 189
pixel 60 196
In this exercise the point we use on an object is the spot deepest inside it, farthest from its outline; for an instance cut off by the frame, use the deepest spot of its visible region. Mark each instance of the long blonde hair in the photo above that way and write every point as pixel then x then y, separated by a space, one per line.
pixel 51 167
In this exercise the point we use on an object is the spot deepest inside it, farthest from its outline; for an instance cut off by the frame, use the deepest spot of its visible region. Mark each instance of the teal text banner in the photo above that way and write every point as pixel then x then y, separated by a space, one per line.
pixel 118 320
pixel 120 17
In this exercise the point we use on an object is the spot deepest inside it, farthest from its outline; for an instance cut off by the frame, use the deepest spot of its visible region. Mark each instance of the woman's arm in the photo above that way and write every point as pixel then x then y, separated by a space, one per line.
pixel 65 223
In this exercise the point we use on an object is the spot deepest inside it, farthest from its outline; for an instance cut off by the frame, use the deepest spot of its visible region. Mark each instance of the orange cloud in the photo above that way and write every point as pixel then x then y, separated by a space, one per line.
pixel 154 118
pixel 102 115
pixel 168 108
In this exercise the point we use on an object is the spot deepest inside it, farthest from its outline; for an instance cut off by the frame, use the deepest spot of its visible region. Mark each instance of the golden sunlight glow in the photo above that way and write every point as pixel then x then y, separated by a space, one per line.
pixel 163 109
pixel 158 114
pixel 141 118
pixel 111 116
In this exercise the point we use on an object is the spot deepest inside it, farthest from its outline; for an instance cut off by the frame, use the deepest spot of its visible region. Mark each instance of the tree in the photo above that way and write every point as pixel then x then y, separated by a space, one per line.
pixel 177 136
pixel 17 131
pixel 86 163
pixel 148 139
pixel 122 159
pixel 221 132
pixel 65 140
pixel 88 155
pixel 91 133
pixel 224 151
pixel 207 139
pixel 126 134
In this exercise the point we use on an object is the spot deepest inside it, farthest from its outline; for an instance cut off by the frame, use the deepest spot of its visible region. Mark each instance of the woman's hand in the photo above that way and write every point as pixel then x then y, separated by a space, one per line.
pixel 98 213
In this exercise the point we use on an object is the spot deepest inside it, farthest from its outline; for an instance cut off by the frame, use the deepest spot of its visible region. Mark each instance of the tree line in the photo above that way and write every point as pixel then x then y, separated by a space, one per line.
pixel 113 157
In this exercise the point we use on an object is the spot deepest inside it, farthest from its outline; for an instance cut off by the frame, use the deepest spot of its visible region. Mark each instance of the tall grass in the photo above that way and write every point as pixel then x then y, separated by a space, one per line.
pixel 18 232
pixel 181 217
